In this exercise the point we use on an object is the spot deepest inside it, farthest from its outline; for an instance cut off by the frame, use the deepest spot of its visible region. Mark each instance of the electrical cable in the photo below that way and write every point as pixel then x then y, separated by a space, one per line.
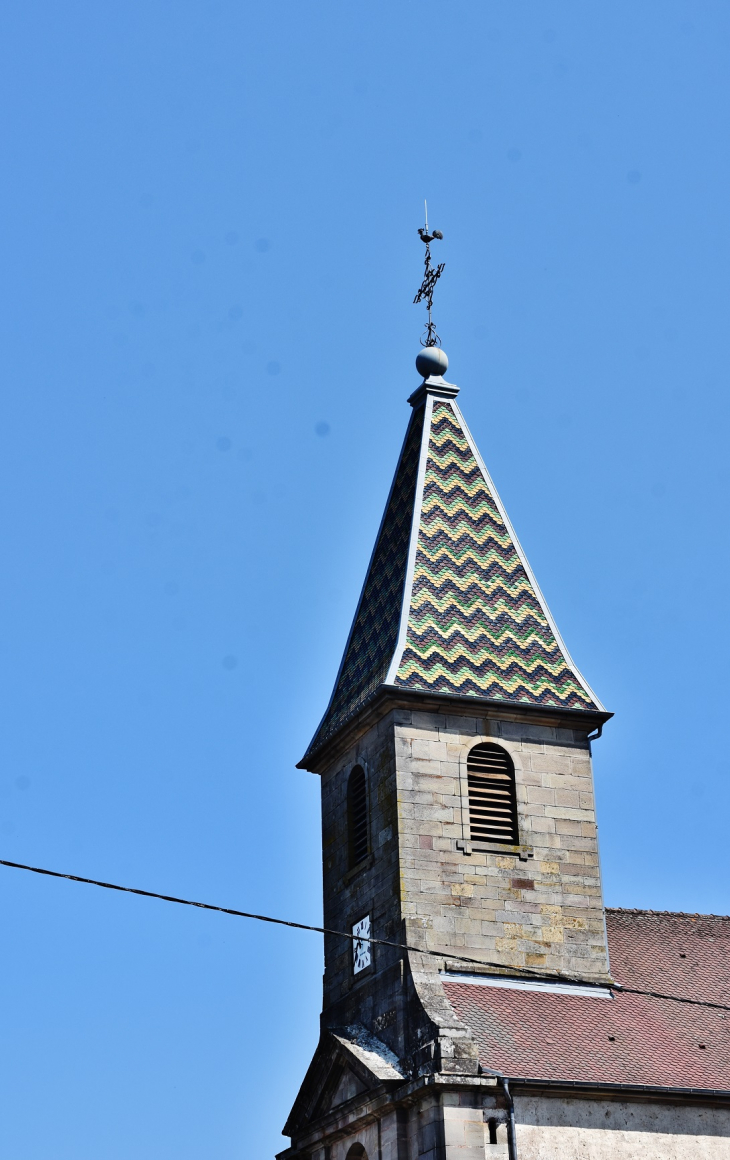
pixel 522 971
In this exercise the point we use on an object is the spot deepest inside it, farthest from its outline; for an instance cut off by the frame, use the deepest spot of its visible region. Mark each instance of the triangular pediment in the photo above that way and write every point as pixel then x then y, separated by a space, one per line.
pixel 347 1063
pixel 349 1085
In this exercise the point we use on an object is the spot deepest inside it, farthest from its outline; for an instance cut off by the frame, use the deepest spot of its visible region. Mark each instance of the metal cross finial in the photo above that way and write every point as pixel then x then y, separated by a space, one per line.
pixel 428 285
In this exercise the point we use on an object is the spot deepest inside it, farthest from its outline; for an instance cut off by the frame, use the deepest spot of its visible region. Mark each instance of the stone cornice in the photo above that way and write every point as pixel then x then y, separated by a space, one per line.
pixel 389 697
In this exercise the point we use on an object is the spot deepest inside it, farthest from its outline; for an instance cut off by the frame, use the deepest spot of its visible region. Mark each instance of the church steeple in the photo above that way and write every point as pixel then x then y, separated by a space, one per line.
pixel 458 827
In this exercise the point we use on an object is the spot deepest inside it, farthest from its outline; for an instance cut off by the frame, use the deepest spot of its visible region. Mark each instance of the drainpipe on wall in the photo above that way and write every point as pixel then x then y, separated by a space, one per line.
pixel 511 1133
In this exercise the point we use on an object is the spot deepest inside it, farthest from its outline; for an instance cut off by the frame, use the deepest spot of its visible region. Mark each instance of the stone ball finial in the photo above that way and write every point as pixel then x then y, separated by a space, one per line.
pixel 431 361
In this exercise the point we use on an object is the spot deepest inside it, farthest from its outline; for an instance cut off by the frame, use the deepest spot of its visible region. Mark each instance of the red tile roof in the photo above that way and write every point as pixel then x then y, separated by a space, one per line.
pixel 630 1039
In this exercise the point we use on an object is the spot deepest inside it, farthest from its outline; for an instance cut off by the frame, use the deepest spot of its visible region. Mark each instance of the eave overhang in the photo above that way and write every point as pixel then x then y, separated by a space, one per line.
pixel 524 1085
pixel 389 697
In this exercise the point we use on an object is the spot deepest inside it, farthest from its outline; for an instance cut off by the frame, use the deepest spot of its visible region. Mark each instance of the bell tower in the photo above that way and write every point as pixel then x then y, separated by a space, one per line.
pixel 457 810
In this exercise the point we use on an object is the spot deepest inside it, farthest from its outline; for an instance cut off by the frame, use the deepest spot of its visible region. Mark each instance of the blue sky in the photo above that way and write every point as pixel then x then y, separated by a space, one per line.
pixel 209 257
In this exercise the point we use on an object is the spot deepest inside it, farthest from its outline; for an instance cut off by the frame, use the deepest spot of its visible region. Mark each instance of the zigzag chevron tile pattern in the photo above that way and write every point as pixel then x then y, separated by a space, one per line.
pixel 476 625
pixel 375 629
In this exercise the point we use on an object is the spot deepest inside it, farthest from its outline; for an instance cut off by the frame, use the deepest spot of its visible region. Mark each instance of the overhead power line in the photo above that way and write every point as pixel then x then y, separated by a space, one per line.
pixel 523 971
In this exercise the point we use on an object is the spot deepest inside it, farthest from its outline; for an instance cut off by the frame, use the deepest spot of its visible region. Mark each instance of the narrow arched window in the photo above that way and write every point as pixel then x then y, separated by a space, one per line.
pixel 492 797
pixel 357 815
pixel 357 1152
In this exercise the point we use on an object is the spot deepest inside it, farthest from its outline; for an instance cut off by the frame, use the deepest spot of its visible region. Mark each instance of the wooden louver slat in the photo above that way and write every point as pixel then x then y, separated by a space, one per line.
pixel 357 815
pixel 492 798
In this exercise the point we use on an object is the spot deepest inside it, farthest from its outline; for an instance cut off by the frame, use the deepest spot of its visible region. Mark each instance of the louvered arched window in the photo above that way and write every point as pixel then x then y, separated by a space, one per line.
pixel 357 815
pixel 492 798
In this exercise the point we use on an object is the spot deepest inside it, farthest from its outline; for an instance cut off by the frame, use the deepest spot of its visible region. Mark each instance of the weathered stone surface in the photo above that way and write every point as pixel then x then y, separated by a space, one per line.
pixel 555 807
pixel 585 1129
pixel 425 884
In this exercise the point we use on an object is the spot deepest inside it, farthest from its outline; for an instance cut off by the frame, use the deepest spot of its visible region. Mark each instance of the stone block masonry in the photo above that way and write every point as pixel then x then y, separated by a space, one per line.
pixel 542 909
pixel 425 882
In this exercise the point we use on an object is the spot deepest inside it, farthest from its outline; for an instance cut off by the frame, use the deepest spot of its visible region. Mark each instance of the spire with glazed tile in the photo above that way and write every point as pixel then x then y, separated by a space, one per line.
pixel 450 605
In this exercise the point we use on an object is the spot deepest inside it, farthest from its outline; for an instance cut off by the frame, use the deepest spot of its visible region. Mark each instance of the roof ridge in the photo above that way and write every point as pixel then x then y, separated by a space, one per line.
pixel 665 913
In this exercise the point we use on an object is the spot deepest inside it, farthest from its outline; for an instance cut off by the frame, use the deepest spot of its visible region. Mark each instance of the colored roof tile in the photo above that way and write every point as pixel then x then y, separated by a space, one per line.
pixel 629 1039
pixel 374 632
pixel 449 604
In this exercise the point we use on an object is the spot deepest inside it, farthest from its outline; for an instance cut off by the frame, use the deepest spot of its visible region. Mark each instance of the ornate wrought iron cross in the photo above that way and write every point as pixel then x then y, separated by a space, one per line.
pixel 428 285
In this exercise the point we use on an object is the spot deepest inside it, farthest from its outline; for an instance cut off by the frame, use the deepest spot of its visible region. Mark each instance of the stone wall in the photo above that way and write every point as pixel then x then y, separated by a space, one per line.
pixel 425 882
pixel 372 998
pixel 447 1125
pixel 537 905
pixel 564 1129
pixel 455 1126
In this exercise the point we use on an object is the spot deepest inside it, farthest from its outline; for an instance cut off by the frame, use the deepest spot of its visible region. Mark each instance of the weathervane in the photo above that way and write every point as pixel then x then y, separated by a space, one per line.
pixel 428 285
